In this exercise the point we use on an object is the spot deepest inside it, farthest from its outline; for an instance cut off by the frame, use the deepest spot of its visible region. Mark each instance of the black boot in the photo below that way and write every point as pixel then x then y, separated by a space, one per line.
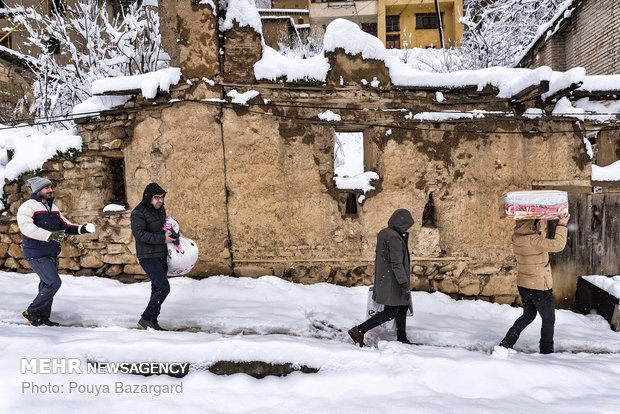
pixel 144 324
pixel 158 327
pixel 509 340
pixel 47 322
pixel 357 336
pixel 546 347
pixel 34 320
pixel 506 343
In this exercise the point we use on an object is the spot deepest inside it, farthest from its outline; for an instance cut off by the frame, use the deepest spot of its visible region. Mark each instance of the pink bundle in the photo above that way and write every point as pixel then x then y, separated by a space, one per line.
pixel 534 204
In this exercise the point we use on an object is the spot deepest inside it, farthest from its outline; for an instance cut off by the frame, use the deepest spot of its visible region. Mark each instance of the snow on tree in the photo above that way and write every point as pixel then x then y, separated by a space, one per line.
pixel 497 31
pixel 80 43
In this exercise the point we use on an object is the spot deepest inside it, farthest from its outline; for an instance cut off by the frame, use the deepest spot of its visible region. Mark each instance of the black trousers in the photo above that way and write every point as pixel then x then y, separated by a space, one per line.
pixel 535 301
pixel 157 270
pixel 389 313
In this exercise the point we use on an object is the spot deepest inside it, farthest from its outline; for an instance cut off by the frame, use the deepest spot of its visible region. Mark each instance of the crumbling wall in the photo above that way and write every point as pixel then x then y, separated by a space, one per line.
pixel 287 215
pixel 189 31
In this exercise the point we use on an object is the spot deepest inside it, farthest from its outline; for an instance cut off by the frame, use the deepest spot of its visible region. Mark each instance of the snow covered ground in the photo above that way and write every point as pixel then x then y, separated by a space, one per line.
pixel 455 369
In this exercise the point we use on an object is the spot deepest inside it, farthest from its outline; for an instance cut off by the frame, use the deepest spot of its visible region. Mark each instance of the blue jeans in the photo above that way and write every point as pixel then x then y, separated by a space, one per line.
pixel 47 270
pixel 156 269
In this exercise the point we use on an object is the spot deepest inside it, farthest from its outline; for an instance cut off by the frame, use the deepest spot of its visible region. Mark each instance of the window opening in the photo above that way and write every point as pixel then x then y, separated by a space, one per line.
pixel 53 45
pixel 348 154
pixel 428 214
pixel 117 174
pixel 351 204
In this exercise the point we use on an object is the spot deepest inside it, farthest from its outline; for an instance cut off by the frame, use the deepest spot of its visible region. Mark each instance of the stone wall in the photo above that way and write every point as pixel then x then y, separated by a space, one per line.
pixel 82 189
pixel 15 87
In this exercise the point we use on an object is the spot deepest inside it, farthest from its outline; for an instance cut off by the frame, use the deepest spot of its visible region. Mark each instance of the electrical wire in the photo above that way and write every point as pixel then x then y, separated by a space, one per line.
pixel 394 124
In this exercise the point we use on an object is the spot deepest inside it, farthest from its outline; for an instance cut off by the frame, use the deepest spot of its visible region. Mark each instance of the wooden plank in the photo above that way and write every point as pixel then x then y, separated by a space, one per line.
pixel 590 296
pixel 611 95
pixel 351 260
pixel 574 260
pixel 531 92
pixel 570 186
pixel 564 92
pixel 606 234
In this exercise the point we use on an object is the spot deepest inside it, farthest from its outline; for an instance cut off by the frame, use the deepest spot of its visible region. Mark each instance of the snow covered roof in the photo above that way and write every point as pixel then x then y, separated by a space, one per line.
pixel 608 173
pixel 601 83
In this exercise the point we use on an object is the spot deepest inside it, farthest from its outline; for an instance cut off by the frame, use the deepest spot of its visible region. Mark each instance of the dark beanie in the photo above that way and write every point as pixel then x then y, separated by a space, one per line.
pixel 36 184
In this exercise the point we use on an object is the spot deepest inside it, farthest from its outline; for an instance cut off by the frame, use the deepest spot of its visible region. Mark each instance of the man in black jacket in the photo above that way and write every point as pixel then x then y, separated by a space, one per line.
pixel 147 226
pixel 392 271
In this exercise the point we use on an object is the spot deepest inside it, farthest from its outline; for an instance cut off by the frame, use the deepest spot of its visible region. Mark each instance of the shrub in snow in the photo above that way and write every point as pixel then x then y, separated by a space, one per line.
pixel 92 45
pixel 299 49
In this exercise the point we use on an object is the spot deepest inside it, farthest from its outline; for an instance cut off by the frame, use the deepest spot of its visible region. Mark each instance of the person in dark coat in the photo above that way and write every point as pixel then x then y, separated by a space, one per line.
pixel 392 271
pixel 147 226
pixel 43 227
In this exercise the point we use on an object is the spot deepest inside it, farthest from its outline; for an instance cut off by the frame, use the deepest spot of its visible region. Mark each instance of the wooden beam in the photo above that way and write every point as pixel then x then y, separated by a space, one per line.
pixel 612 95
pixel 568 91
pixel 351 260
pixel 532 92
pixel 570 186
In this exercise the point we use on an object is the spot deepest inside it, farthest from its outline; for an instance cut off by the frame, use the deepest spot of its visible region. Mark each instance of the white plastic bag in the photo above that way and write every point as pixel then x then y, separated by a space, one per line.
pixel 182 257
pixel 182 260
pixel 372 308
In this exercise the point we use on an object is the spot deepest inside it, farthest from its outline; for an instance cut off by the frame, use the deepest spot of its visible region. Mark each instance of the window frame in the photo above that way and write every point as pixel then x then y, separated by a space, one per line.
pixel 370 28
pixel 422 21
pixel 389 26
pixel 391 40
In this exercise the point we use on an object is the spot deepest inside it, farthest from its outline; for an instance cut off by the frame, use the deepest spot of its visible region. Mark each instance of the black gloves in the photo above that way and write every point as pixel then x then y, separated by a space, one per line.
pixel 175 236
pixel 57 236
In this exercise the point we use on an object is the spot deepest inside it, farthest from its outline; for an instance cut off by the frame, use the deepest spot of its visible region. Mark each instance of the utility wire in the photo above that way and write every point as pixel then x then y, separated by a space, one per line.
pixel 394 124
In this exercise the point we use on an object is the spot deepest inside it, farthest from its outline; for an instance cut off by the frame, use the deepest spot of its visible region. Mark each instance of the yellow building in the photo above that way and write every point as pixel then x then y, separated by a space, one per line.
pixel 413 23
